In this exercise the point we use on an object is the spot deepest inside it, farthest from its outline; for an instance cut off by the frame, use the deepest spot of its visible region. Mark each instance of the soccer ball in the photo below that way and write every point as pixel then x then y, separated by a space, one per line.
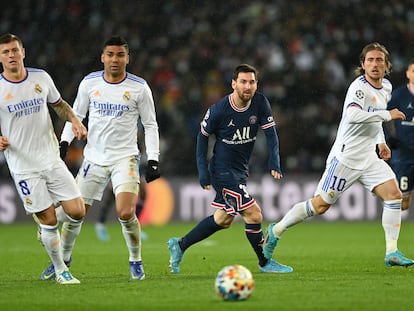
pixel 234 282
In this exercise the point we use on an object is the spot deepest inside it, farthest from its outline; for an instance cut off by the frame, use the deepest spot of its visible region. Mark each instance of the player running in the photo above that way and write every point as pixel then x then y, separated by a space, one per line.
pixel 353 156
pixel 234 121
pixel 115 100
pixel 31 148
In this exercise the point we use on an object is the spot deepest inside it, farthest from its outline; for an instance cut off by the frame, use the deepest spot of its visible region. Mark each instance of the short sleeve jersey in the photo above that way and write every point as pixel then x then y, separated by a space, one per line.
pixel 26 122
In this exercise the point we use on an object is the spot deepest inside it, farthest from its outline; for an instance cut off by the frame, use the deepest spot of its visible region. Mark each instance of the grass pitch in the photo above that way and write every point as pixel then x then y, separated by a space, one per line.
pixel 338 266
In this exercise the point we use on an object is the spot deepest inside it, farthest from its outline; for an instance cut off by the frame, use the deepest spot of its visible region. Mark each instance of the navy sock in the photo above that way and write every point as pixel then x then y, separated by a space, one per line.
pixel 202 230
pixel 254 234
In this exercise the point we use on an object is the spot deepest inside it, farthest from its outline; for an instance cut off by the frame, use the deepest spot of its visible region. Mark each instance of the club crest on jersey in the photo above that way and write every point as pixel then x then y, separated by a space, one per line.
pixel 38 88
pixel 127 96
pixel 359 94
pixel 253 120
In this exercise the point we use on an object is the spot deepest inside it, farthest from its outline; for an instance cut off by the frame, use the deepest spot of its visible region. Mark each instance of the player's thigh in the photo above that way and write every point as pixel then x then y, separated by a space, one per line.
pixel 376 174
pixel 335 180
pixel 125 176
pixel 92 180
pixel 232 197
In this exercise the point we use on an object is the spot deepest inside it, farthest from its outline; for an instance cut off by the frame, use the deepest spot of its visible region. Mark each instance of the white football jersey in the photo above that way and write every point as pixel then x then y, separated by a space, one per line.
pixel 361 129
pixel 114 111
pixel 26 122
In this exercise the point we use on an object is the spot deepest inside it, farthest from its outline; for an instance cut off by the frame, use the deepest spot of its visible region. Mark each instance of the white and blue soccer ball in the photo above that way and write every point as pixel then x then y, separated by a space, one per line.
pixel 234 282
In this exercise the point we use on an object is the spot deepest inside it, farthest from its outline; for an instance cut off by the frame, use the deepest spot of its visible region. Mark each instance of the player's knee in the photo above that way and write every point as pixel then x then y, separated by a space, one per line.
pixel 223 222
pixel 222 219
pixel 77 211
pixel 394 195
pixel 126 214
pixel 319 205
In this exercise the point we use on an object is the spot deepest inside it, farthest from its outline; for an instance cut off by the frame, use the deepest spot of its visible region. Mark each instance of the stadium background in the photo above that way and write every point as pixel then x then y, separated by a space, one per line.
pixel 306 53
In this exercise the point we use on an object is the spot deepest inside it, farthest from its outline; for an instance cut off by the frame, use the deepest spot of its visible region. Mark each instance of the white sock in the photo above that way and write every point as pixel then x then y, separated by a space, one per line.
pixel 132 234
pixel 298 213
pixel 391 222
pixel 51 241
pixel 70 231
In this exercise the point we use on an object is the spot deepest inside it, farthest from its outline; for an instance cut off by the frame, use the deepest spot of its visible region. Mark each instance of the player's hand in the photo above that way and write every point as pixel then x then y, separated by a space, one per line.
pixel 384 152
pixel 79 129
pixel 276 175
pixel 4 143
pixel 63 149
pixel 397 115
pixel 152 171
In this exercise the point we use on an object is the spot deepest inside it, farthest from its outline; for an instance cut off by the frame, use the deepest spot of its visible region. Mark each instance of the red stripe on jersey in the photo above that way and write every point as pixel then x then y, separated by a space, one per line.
pixel 268 125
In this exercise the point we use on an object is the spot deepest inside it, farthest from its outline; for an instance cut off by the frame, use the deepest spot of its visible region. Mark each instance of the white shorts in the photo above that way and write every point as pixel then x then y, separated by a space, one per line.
pixel 40 190
pixel 337 178
pixel 92 178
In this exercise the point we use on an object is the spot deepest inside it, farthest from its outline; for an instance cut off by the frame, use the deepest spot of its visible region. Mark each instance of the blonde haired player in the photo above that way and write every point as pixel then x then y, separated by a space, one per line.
pixel 353 156
pixel 31 148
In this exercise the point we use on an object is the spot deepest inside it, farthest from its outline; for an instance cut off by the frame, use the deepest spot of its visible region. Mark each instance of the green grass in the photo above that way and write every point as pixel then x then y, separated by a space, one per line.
pixel 338 266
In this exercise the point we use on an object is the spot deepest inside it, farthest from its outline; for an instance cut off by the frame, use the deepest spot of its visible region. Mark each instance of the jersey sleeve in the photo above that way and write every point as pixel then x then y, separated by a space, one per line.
pixel 81 104
pixel 357 115
pixel 269 127
pixel 149 122
pixel 53 96
pixel 80 108
pixel 355 95
pixel 201 157
pixel 211 120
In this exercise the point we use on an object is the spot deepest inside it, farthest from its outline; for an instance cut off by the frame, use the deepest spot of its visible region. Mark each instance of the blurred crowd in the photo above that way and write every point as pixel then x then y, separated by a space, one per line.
pixel 305 51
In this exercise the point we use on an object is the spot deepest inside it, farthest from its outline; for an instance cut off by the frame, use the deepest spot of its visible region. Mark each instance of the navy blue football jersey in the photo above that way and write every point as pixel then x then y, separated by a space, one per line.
pixel 403 99
pixel 235 130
